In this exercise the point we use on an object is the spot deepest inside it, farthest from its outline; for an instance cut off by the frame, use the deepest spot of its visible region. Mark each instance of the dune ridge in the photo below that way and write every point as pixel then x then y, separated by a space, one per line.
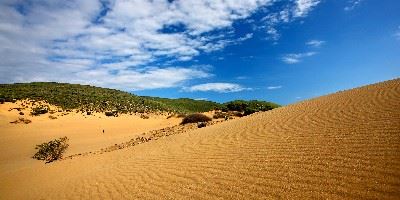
pixel 340 146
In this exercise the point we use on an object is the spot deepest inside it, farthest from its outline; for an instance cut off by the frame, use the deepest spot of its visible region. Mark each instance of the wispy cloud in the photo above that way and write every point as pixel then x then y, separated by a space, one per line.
pixel 315 43
pixel 352 4
pixel 397 33
pixel 274 87
pixel 297 9
pixel 216 87
pixel 296 58
pixel 242 77
pixel 304 7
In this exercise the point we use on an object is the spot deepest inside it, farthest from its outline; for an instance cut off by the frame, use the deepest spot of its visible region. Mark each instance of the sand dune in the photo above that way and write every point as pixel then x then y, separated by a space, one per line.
pixel 341 146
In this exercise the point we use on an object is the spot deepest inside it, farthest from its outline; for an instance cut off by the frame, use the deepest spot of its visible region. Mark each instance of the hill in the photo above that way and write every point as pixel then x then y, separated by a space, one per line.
pixel 90 98
pixel 340 146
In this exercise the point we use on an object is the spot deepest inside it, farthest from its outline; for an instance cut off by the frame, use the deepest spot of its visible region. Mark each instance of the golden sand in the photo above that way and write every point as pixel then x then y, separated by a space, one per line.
pixel 341 146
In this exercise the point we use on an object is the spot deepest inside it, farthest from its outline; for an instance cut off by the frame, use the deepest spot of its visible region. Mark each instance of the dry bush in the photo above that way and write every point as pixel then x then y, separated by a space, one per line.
pixel 52 117
pixel 52 150
pixel 194 118
pixel 219 115
pixel 181 115
pixel 144 116
pixel 40 110
pixel 21 120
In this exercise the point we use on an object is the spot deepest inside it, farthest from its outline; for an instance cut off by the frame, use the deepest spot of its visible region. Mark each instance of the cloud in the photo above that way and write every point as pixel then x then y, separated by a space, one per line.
pixel 123 43
pixel 304 7
pixel 216 87
pixel 293 11
pixel 296 58
pixel 242 77
pixel 274 87
pixel 397 33
pixel 315 43
pixel 201 99
pixel 352 4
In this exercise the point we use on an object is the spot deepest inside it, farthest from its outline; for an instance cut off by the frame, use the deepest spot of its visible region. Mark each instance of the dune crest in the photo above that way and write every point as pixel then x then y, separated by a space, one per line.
pixel 340 146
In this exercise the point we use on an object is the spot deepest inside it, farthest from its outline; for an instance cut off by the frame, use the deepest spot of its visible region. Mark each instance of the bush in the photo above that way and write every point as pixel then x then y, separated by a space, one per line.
pixel 144 116
pixel 39 110
pixel 53 150
pixel 113 113
pixel 201 124
pixel 194 118
pixel 219 115
pixel 21 120
pixel 2 100
pixel 249 111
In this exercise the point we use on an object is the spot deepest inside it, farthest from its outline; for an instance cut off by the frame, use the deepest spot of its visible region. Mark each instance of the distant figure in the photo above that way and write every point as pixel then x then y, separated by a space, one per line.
pixel 103 130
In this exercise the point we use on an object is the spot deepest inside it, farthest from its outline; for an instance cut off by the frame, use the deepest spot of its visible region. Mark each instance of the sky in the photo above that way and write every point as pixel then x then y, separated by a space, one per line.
pixel 218 50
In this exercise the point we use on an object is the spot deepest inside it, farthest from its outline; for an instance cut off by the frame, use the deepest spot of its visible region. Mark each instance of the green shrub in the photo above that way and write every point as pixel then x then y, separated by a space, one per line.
pixel 53 150
pixel 249 111
pixel 194 118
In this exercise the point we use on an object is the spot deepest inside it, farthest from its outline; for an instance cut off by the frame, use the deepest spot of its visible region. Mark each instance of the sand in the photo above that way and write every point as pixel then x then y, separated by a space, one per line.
pixel 340 146
pixel 85 132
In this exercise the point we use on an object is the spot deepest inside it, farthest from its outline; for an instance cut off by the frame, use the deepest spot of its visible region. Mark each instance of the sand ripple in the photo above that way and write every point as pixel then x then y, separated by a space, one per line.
pixel 341 146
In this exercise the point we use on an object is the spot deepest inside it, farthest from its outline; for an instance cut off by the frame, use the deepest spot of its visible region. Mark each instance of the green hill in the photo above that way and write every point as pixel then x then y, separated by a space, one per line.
pixel 90 98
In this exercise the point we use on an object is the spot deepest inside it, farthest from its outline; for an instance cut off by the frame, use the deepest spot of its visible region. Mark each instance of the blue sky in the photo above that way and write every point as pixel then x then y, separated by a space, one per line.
pixel 281 51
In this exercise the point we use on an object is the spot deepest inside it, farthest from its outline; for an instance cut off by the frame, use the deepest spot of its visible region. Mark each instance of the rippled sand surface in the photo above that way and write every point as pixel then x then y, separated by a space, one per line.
pixel 340 146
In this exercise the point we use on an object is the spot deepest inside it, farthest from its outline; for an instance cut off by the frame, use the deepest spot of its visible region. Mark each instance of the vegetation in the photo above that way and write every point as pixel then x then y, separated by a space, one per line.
pixel 21 120
pixel 249 107
pixel 53 150
pixel 194 118
pixel 89 99
pixel 40 110
pixel 82 97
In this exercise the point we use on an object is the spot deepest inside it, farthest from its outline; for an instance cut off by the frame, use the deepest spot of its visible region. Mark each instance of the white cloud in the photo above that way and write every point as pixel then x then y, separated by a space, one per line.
pixel 201 99
pixel 304 7
pixel 111 41
pixel 352 4
pixel 297 9
pixel 296 58
pixel 274 87
pixel 315 43
pixel 216 87
pixel 242 77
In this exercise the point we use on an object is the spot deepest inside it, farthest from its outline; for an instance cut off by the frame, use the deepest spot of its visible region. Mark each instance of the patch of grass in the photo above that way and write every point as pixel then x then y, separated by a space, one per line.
pixel 52 150
pixel 194 118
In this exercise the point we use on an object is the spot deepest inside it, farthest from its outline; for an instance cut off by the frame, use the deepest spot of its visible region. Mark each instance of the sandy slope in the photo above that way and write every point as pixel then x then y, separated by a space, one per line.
pixel 17 141
pixel 341 146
